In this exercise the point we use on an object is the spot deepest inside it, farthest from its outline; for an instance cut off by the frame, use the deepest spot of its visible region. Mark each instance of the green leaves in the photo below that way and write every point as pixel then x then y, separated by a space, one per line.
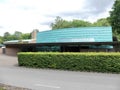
pixel 115 17
pixel 61 23
pixel 95 62
pixel 102 22
pixel 16 36
pixel 1 39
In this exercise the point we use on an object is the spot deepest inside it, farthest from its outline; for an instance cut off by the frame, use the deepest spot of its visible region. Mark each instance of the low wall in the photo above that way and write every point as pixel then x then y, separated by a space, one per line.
pixel 12 51
pixel 1 50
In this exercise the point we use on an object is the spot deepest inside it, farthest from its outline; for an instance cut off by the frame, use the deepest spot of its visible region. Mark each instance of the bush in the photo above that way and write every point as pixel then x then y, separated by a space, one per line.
pixel 96 62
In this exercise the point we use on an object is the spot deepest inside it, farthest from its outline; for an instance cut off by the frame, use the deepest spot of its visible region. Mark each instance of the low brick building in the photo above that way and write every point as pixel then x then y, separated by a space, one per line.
pixel 2 48
pixel 83 39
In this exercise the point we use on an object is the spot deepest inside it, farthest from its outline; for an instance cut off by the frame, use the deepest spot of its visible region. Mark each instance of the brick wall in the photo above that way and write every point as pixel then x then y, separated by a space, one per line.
pixel 1 51
pixel 12 51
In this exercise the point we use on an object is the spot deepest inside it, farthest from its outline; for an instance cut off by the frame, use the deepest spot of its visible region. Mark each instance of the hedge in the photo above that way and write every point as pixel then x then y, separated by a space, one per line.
pixel 95 62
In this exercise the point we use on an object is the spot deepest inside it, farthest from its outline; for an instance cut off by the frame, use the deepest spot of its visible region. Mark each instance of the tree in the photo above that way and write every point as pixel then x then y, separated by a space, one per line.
pixel 7 36
pixel 1 39
pixel 60 23
pixel 17 35
pixel 102 22
pixel 26 36
pixel 115 17
pixel 80 23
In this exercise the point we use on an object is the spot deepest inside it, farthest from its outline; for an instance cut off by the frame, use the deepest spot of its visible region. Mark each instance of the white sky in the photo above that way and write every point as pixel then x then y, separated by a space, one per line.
pixel 26 15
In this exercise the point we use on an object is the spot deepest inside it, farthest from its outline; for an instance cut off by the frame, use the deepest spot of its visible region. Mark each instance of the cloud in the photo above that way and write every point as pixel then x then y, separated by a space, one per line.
pixel 46 23
pixel 26 8
pixel 26 15
pixel 1 27
pixel 93 9
pixel 97 7
pixel 3 1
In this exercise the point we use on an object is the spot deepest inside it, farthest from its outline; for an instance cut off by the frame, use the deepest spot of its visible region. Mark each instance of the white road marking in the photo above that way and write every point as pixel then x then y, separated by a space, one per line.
pixel 50 86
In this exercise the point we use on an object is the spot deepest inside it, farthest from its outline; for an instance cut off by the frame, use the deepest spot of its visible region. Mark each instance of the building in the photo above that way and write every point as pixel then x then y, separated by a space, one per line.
pixel 67 40
pixel 70 36
pixel 2 50
pixel 34 33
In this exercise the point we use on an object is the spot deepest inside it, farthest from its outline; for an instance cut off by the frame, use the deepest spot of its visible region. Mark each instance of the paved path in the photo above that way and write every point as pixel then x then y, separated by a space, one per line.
pixel 38 79
pixel 7 61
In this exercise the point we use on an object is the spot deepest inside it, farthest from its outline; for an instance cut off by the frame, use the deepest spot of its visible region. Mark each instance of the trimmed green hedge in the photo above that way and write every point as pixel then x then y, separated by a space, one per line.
pixel 96 62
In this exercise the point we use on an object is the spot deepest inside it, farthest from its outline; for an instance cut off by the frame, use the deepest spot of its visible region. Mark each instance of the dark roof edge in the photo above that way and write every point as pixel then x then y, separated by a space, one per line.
pixel 64 43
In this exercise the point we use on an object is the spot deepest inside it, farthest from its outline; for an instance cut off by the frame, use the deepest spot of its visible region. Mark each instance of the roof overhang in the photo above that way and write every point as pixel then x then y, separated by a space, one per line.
pixel 63 44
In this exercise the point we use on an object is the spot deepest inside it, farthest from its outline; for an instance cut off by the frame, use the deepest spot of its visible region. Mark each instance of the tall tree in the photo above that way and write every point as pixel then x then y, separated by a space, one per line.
pixel 26 36
pixel 115 17
pixel 80 23
pixel 1 39
pixel 17 34
pixel 7 36
pixel 102 22
pixel 60 23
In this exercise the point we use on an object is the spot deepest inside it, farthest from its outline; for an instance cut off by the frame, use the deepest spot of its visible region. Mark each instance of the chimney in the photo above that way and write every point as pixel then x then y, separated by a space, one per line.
pixel 34 33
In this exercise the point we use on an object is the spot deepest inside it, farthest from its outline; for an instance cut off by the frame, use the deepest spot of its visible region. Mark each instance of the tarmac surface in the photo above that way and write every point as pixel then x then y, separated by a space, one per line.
pixel 44 79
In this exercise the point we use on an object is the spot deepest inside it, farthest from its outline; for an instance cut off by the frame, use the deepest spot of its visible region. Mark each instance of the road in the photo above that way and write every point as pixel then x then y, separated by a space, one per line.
pixel 44 79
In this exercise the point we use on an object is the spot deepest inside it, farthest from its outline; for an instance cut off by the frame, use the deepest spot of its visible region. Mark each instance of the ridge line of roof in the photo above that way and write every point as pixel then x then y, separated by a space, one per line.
pixel 75 28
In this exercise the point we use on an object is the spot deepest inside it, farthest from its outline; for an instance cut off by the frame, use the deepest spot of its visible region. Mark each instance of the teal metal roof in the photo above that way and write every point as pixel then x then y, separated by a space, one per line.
pixel 82 34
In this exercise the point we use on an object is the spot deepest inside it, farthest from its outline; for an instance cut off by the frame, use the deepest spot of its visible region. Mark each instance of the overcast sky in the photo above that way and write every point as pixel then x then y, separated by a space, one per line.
pixel 26 15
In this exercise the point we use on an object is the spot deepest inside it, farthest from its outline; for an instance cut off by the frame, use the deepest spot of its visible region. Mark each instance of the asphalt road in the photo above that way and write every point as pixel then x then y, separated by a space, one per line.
pixel 39 79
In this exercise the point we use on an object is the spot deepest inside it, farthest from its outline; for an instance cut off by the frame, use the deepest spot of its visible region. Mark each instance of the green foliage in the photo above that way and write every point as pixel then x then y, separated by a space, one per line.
pixel 6 36
pixel 80 23
pixel 115 17
pixel 61 23
pixel 26 36
pixel 96 62
pixel 102 22
pixel 1 39
pixel 16 36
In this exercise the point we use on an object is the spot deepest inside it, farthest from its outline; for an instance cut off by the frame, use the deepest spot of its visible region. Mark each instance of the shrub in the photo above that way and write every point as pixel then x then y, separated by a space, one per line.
pixel 96 62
